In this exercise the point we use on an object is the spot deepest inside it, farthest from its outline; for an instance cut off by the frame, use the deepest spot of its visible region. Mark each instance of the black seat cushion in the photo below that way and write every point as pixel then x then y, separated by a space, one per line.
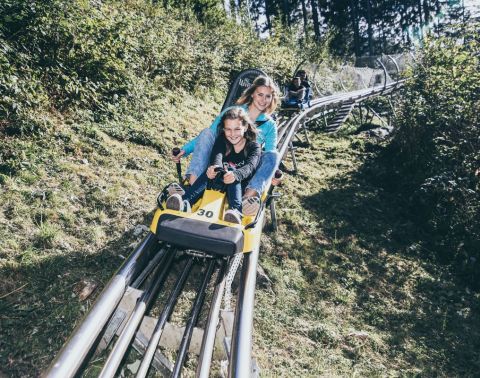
pixel 202 236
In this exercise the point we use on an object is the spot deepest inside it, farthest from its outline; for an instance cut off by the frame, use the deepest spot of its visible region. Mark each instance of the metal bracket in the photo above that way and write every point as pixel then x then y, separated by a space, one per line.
pixel 119 317
pixel 305 130
pixel 294 159
pixel 160 362
pixel 270 201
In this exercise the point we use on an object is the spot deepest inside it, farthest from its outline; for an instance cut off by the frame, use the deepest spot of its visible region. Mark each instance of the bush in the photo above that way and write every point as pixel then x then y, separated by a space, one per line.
pixel 437 146
pixel 90 55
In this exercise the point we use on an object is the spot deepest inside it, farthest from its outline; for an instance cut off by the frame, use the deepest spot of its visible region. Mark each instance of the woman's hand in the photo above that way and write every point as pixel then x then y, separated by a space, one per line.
pixel 276 181
pixel 176 158
pixel 211 172
pixel 277 178
pixel 228 177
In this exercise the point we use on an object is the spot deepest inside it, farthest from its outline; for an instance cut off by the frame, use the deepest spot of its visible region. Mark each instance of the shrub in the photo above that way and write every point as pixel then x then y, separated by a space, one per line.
pixel 89 55
pixel 437 147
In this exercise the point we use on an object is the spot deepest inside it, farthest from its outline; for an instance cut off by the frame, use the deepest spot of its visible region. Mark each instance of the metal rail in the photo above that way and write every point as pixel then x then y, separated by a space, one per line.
pixel 187 335
pixel 75 351
pixel 125 338
pixel 208 342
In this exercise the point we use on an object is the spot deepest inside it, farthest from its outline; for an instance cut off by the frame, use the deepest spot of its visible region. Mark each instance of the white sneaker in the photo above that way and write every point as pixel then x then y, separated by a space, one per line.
pixel 233 216
pixel 174 202
pixel 250 205
pixel 175 188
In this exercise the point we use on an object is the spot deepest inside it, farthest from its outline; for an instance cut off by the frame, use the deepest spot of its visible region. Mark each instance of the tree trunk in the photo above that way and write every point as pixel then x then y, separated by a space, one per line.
pixel 268 14
pixel 228 8
pixel 384 39
pixel 356 34
pixel 286 13
pixel 370 27
pixel 426 11
pixel 236 10
pixel 305 20
pixel 316 22
pixel 420 18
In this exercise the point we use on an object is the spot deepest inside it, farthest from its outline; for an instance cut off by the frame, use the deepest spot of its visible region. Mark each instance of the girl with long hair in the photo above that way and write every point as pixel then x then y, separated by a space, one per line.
pixel 236 150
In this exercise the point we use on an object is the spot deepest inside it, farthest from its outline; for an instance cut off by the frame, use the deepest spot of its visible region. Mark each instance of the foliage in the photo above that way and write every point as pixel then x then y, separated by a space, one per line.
pixel 108 57
pixel 436 148
pixel 208 12
pixel 358 27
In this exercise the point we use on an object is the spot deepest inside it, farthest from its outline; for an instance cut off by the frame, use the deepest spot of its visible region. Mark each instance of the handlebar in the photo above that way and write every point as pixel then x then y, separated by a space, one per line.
pixel 175 152
pixel 217 181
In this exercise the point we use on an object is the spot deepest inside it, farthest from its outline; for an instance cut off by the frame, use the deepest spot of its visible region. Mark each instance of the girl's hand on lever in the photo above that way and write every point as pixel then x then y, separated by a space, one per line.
pixel 228 177
pixel 211 172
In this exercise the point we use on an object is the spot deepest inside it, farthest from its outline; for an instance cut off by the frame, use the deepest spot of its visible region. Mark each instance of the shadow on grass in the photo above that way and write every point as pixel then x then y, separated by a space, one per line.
pixel 39 315
pixel 427 318
pixel 38 318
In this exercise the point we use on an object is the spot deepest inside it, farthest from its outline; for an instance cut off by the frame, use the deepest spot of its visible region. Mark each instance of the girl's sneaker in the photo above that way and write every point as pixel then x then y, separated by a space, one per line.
pixel 250 205
pixel 175 188
pixel 233 216
pixel 176 202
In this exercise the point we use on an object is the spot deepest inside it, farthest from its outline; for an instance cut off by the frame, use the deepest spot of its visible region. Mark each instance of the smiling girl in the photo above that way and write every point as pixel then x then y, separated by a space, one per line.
pixel 259 101
pixel 235 149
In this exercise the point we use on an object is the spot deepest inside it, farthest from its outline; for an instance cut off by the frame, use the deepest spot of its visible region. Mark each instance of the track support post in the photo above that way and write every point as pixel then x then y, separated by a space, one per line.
pixel 273 212
pixel 305 131
pixel 294 159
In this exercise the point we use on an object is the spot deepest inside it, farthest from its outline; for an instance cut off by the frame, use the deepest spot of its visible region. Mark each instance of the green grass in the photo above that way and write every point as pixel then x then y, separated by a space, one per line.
pixel 354 293
pixel 351 295
pixel 69 215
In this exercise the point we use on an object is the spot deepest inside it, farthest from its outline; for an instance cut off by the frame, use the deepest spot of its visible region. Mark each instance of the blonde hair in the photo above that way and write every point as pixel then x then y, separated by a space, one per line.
pixel 260 81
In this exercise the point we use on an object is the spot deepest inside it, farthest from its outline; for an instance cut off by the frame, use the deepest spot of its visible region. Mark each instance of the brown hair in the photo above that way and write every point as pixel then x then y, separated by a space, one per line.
pixel 240 114
pixel 260 81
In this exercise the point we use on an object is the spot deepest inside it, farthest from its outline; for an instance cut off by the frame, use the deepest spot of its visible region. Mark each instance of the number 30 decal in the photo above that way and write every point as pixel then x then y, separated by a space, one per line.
pixel 208 214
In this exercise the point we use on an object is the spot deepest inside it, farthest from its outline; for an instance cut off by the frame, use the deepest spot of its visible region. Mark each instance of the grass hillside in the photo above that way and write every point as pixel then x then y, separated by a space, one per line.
pixel 69 217
pixel 352 294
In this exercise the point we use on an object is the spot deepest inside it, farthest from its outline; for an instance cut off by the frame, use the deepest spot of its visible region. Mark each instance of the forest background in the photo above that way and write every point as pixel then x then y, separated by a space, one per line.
pixel 90 90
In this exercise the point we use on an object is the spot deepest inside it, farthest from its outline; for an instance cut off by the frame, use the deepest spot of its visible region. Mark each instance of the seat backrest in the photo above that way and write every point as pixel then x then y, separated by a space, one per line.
pixel 308 94
pixel 243 80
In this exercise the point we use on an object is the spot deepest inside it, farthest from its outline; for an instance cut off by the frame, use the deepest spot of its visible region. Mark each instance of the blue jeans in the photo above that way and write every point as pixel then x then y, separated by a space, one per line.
pixel 201 154
pixel 201 157
pixel 234 191
pixel 264 172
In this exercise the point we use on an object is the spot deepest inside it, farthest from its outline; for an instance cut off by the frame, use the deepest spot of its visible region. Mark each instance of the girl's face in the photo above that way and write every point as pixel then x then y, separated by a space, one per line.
pixel 262 98
pixel 234 131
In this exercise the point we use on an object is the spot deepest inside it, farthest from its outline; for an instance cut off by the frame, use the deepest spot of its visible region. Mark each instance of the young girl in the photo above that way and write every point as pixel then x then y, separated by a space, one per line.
pixel 235 148
pixel 259 101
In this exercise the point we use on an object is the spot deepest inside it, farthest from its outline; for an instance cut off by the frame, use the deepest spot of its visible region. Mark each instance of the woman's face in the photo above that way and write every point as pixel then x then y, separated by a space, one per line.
pixel 234 130
pixel 262 98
